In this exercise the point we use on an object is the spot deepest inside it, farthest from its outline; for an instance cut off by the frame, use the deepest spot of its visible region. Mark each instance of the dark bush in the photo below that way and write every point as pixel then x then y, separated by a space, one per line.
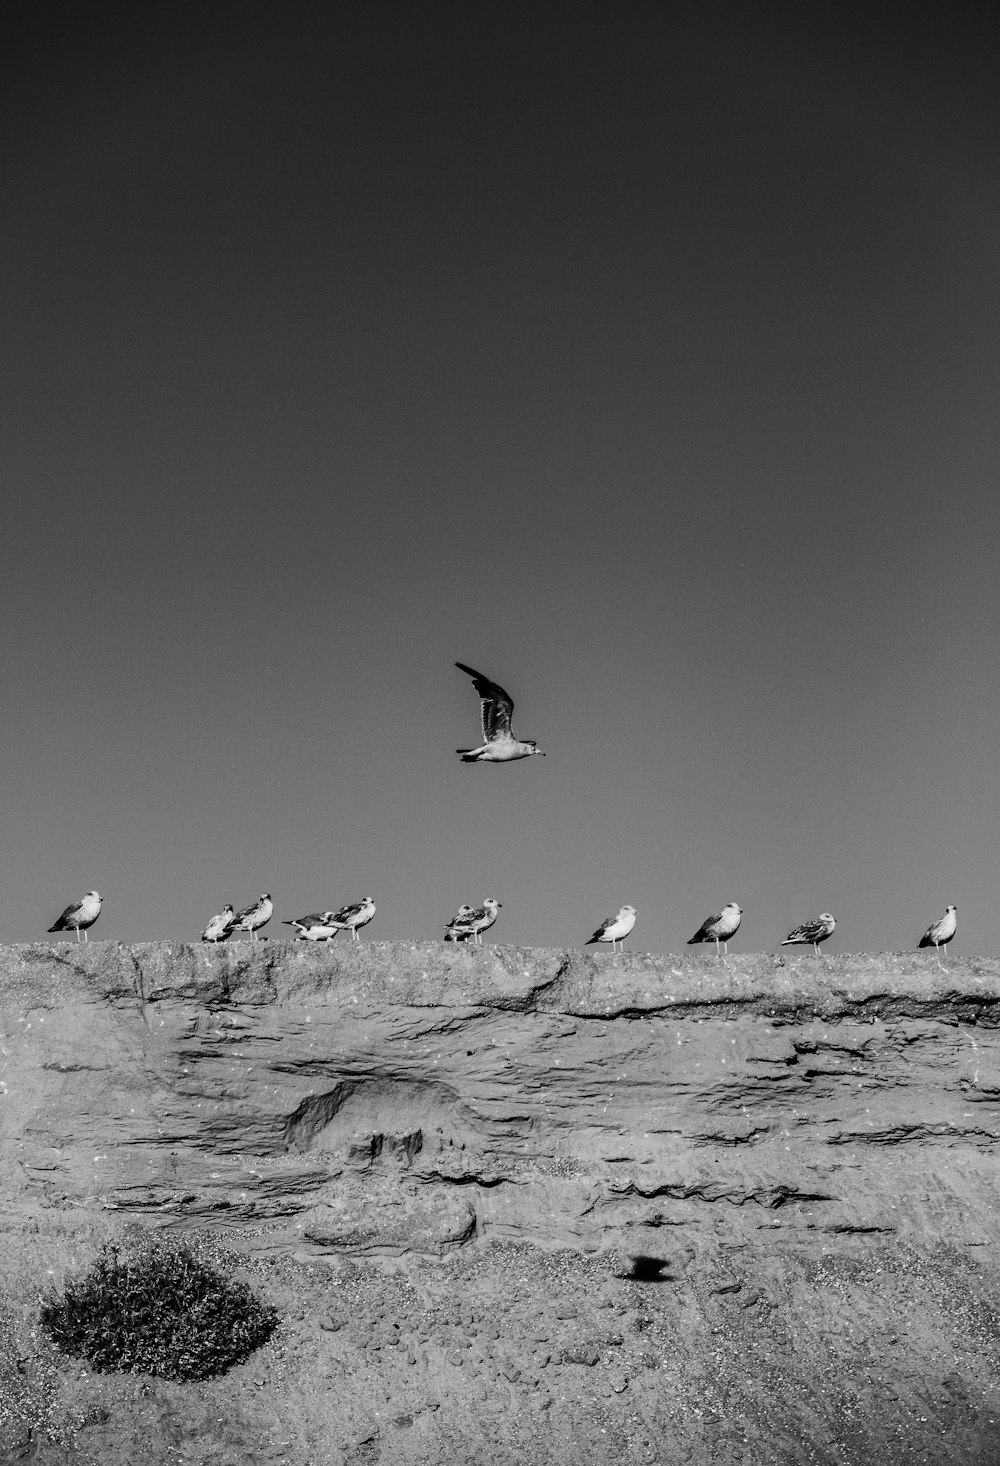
pixel 156 1308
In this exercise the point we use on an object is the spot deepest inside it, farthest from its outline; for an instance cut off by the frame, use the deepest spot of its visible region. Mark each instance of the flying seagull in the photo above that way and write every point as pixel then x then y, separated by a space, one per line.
pixel 220 928
pixel 814 931
pixel 319 927
pixel 720 927
pixel 349 918
pixel 458 929
pixel 614 929
pixel 942 931
pixel 499 745
pixel 79 916
pixel 253 917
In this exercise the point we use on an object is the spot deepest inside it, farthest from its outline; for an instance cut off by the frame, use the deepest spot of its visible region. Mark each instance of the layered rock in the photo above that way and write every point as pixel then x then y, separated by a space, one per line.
pixel 392 1098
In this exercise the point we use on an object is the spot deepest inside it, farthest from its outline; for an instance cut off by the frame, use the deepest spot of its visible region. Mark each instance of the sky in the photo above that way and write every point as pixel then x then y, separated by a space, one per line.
pixel 642 357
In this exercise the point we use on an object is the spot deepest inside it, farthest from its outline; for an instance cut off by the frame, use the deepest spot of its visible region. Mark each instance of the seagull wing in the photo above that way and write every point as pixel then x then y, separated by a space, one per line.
pixel 936 932
pixel 809 931
pixel 346 912
pixel 601 930
pixel 66 917
pixel 704 932
pixel 497 706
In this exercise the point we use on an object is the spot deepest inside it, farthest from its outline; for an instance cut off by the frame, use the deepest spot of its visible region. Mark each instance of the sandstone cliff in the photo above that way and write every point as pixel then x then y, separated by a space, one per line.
pixel 669 1118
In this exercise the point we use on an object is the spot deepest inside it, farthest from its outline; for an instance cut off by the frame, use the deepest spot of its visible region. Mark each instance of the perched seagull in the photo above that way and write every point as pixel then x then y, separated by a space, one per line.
pixel 614 929
pixel 319 927
pixel 79 916
pixel 253 917
pixel 500 745
pixel 941 933
pixel 814 931
pixel 349 918
pixel 220 928
pixel 458 929
pixel 720 927
pixel 481 918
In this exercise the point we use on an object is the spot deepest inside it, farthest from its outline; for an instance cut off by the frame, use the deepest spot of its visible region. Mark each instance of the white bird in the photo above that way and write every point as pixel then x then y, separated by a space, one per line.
pixel 458 929
pixel 499 744
pixel 614 929
pixel 942 931
pixel 814 931
pixel 481 918
pixel 251 918
pixel 220 928
pixel 349 918
pixel 79 916
pixel 720 927
pixel 319 927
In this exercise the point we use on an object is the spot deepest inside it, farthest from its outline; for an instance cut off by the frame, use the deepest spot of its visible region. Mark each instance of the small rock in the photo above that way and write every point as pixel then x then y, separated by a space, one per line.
pixel 330 1323
pixel 587 1354
pixel 726 1284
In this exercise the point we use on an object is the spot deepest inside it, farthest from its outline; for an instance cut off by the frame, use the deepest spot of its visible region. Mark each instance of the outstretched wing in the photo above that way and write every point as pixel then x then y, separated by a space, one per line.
pixel 497 706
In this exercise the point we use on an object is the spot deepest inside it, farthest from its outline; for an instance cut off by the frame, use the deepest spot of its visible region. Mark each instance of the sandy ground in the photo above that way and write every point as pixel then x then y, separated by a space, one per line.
pixel 756 1353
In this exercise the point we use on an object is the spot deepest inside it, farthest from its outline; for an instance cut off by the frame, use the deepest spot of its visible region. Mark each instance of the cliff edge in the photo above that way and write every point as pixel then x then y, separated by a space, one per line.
pixel 714 1126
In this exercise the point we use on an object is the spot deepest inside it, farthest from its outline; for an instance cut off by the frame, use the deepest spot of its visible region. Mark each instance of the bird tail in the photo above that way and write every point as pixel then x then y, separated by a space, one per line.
pixel 925 940
pixel 468 755
pixel 57 928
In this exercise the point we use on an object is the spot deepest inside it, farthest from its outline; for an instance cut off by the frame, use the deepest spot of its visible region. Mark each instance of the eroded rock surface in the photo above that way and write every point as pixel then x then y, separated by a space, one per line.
pixel 547 1096
pixel 789 1155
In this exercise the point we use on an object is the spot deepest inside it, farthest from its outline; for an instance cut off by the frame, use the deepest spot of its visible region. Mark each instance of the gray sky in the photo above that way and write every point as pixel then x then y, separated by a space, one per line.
pixel 647 361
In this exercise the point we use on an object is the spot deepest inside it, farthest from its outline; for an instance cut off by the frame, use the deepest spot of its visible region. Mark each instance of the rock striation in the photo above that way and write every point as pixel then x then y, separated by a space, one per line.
pixel 411 1098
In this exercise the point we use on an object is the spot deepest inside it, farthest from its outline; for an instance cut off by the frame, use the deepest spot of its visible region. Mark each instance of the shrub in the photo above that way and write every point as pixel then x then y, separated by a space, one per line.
pixel 156 1308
